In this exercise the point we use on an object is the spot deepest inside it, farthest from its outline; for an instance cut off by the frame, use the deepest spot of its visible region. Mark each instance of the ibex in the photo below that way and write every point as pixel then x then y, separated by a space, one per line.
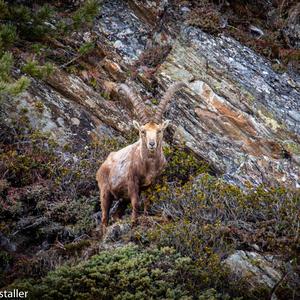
pixel 125 172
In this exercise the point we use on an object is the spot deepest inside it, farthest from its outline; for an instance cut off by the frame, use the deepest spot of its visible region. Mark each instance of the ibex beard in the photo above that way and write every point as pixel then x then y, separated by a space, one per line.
pixel 125 172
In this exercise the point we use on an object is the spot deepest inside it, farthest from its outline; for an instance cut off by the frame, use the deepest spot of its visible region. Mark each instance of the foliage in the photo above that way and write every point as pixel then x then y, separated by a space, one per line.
pixel 39 22
pixel 209 218
pixel 35 70
pixel 3 9
pixel 124 273
pixel 47 191
pixel 86 48
pixel 43 21
pixel 221 215
pixel 182 164
pixel 7 85
pixel 86 13
pixel 31 25
pixel 8 35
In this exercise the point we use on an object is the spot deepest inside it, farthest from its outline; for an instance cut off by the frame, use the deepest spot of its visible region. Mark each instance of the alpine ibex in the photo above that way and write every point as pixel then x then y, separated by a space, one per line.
pixel 124 172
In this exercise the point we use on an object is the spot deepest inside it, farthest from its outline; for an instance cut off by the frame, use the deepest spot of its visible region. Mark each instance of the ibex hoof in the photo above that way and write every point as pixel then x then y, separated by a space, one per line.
pixel 134 223
pixel 103 229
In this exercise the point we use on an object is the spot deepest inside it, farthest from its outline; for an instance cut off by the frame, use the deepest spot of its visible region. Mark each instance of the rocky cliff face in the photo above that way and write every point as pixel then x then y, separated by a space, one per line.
pixel 237 112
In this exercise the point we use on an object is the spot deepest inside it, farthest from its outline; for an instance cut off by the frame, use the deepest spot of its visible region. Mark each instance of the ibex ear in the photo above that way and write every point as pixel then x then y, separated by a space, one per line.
pixel 165 124
pixel 136 124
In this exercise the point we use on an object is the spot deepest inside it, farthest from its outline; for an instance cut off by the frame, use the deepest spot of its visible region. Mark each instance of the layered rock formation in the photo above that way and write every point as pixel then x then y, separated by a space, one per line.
pixel 237 112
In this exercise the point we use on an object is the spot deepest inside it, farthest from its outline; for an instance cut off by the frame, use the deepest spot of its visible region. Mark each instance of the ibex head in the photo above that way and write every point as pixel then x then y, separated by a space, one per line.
pixel 151 129
pixel 151 133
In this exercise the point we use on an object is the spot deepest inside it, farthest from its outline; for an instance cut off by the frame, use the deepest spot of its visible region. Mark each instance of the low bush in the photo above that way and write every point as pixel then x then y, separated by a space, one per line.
pixel 35 70
pixel 208 219
pixel 223 215
pixel 125 273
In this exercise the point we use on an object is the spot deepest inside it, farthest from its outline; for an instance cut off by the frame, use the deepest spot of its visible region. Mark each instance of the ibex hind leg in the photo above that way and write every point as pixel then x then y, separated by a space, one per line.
pixel 135 210
pixel 146 206
pixel 105 201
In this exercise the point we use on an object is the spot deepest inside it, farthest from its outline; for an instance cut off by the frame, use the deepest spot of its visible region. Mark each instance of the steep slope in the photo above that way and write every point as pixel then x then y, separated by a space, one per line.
pixel 238 120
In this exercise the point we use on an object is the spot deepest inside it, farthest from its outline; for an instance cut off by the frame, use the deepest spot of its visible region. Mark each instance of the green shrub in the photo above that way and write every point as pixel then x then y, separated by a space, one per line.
pixel 8 35
pixel 86 13
pixel 125 273
pixel 181 167
pixel 208 219
pixel 39 23
pixel 220 215
pixel 31 25
pixel 182 164
pixel 3 9
pixel 8 86
pixel 35 70
pixel 6 63
pixel 74 214
pixel 86 48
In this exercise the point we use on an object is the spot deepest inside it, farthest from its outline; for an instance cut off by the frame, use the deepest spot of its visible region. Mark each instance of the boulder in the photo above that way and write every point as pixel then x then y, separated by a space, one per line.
pixel 259 271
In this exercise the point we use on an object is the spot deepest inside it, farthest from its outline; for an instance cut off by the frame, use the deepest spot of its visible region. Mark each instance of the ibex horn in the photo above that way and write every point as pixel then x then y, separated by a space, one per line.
pixel 137 104
pixel 165 100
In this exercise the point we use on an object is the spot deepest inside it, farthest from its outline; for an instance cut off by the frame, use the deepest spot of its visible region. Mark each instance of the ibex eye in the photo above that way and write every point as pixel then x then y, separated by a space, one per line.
pixel 158 131
pixel 143 132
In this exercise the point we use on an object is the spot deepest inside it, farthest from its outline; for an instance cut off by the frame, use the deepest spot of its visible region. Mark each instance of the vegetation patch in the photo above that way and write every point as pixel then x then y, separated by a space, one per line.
pixel 49 198
pixel 124 273
pixel 208 219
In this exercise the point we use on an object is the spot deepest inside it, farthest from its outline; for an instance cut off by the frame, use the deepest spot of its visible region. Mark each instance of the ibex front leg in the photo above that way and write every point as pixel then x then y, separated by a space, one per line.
pixel 134 198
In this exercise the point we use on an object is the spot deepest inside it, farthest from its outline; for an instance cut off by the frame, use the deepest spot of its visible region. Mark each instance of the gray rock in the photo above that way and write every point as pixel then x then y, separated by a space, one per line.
pixel 7 244
pixel 124 29
pixel 257 269
pixel 295 115
pixel 115 232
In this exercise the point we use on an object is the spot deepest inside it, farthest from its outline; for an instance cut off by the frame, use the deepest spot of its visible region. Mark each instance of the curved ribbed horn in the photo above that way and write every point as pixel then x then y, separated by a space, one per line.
pixel 165 100
pixel 137 104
